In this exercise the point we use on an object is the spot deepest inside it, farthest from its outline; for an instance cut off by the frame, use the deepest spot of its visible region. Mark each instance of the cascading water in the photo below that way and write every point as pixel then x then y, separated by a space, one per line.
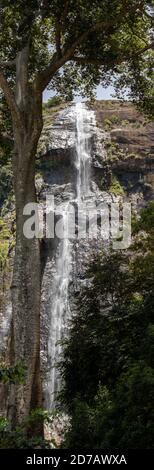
pixel 84 123
pixel 60 310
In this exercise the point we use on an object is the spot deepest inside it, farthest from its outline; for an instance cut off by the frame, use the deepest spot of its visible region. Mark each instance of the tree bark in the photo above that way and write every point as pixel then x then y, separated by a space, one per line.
pixel 26 283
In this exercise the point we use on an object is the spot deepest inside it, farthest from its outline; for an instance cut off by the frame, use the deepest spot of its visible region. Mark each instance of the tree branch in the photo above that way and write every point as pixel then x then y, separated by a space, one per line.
pixel 97 62
pixel 43 78
pixel 121 58
pixel 58 39
pixel 16 116
pixel 147 48
pixel 8 63
pixel 64 15
pixel 22 76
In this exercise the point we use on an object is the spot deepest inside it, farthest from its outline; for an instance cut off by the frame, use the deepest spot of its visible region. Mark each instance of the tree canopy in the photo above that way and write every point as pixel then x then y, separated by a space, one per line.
pixel 76 45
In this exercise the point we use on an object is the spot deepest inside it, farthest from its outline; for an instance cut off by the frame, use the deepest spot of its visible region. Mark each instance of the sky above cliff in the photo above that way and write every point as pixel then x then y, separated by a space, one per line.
pixel 102 94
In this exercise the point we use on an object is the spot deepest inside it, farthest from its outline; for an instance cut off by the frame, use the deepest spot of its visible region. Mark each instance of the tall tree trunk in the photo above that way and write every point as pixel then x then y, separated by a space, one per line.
pixel 25 344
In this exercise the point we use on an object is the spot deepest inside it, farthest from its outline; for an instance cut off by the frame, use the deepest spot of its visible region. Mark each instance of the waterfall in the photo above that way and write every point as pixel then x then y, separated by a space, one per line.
pixel 84 122
pixel 60 310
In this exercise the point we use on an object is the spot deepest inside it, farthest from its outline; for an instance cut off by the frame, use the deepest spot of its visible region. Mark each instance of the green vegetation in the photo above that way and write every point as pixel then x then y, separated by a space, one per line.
pixel 4 247
pixel 6 187
pixel 4 242
pixel 49 112
pixel 4 230
pixel 52 102
pixel 6 181
pixel 107 124
pixel 12 374
pixel 115 119
pixel 7 235
pixel 108 360
pixel 6 146
pixel 26 435
pixel 116 187
pixel 114 151
pixel 125 123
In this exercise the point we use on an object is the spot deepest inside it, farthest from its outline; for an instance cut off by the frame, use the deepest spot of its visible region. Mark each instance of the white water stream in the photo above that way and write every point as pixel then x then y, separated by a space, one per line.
pixel 84 122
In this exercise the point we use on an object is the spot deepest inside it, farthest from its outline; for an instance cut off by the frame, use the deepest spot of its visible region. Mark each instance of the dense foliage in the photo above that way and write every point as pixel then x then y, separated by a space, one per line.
pixel 108 360
pixel 103 40
pixel 25 436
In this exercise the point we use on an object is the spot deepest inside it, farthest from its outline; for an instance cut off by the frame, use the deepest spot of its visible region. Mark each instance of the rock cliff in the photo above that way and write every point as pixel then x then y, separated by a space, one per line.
pixel 121 169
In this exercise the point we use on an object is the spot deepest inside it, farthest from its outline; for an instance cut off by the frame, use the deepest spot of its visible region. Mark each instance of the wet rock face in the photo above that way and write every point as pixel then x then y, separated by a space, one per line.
pixel 64 263
pixel 60 175
pixel 130 151
pixel 139 140
pixel 60 135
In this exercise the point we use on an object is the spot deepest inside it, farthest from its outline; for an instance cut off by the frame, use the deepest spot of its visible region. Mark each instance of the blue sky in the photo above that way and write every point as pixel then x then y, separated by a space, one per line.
pixel 102 94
